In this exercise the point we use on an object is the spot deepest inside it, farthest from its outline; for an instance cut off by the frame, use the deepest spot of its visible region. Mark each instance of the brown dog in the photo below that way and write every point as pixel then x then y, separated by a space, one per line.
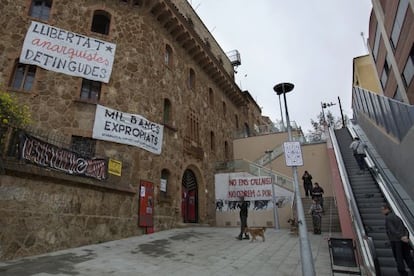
pixel 255 232
pixel 293 226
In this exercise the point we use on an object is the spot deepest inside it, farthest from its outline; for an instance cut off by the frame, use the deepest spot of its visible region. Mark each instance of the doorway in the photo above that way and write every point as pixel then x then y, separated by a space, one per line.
pixel 189 204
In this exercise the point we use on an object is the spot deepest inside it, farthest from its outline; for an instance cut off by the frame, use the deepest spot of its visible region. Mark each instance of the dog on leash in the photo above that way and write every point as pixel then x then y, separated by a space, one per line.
pixel 255 232
pixel 293 226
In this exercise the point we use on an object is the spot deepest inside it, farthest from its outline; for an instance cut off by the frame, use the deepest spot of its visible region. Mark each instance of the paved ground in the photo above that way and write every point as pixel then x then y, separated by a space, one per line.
pixel 180 252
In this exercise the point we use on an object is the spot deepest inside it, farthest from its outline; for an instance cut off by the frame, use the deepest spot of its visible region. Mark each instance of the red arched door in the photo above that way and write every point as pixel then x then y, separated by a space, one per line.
pixel 189 203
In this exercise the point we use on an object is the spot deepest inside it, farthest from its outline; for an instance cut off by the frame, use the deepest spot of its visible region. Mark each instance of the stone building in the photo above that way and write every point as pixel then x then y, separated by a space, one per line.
pixel 148 59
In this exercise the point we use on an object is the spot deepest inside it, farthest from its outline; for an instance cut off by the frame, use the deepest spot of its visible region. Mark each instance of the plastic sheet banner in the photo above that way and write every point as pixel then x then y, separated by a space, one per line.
pixel 67 52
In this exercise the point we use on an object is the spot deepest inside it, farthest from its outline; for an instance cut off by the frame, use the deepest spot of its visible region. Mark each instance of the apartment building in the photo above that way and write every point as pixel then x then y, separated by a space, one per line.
pixel 391 43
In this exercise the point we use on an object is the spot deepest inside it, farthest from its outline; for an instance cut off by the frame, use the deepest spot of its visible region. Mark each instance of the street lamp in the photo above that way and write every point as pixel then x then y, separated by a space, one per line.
pixel 308 268
pixel 275 215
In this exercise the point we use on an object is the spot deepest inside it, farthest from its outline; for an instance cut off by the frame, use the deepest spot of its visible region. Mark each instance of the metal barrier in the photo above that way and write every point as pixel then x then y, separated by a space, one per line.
pixel 395 117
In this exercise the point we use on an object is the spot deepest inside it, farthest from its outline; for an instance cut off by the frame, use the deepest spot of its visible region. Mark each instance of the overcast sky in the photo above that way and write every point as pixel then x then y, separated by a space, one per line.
pixel 310 43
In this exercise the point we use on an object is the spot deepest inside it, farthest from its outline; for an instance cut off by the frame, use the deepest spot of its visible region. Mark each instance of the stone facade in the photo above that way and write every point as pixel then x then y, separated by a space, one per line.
pixel 43 210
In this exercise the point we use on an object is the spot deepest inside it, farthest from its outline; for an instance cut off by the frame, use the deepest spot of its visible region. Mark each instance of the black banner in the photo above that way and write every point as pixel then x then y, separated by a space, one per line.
pixel 46 155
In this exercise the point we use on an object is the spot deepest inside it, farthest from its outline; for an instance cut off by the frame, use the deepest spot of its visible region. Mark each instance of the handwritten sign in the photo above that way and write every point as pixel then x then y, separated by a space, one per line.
pixel 125 128
pixel 66 52
pixel 251 188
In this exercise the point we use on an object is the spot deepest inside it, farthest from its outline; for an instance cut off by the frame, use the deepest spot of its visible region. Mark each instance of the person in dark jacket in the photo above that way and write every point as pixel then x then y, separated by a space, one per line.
pixel 399 238
pixel 307 183
pixel 244 206
pixel 317 193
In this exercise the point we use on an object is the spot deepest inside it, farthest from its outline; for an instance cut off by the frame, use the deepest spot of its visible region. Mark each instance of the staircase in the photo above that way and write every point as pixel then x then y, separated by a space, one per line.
pixel 369 200
pixel 330 219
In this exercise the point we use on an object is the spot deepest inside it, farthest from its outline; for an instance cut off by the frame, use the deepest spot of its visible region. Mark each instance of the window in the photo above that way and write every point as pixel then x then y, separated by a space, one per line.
pixel 101 22
pixel 385 73
pixel 408 72
pixel 167 112
pixel 40 9
pixel 191 79
pixel 91 90
pixel 212 141
pixel 376 43
pixel 211 97
pixel 397 95
pixel 193 125
pixel 168 55
pixel 226 151
pixel 165 175
pixel 236 119
pixel 224 109
pixel 398 22
pixel 23 77
pixel 83 146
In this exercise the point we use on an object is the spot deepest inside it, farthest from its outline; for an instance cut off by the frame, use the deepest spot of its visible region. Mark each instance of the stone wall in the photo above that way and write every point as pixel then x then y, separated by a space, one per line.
pixel 38 216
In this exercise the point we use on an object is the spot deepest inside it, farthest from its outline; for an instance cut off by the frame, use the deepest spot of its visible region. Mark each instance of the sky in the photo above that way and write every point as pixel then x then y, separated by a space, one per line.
pixel 310 43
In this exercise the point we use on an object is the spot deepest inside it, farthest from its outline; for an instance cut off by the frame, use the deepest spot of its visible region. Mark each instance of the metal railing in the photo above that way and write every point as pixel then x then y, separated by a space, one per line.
pixel 395 117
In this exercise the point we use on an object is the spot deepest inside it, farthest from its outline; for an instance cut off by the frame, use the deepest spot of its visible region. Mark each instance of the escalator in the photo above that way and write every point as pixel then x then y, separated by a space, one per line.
pixel 369 199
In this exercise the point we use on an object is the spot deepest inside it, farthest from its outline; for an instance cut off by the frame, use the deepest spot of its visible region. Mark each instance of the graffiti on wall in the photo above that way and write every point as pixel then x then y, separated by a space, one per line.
pixel 46 155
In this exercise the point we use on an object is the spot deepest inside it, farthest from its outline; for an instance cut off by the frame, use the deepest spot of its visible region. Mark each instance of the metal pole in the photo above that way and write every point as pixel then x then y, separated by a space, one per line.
pixel 281 113
pixel 308 268
pixel 342 114
pixel 275 214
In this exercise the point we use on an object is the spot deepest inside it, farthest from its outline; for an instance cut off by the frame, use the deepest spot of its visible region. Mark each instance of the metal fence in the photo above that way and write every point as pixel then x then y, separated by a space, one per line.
pixel 395 117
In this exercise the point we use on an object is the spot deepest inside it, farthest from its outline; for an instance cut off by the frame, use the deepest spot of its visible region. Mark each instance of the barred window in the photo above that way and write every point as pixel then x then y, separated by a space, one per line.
pixel 83 145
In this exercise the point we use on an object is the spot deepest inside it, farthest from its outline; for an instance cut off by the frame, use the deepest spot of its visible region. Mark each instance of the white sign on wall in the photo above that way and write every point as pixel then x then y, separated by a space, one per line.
pixel 66 52
pixel 125 128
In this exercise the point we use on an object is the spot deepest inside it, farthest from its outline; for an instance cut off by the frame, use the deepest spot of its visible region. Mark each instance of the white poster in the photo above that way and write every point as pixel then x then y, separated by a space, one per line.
pixel 125 128
pixel 66 52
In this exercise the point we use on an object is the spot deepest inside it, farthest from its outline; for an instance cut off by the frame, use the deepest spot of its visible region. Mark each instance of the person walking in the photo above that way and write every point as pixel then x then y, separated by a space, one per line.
pixel 358 147
pixel 307 183
pixel 243 205
pixel 316 211
pixel 399 238
pixel 317 194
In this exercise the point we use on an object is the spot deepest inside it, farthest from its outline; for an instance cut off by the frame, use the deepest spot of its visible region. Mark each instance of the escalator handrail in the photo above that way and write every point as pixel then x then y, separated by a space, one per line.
pixel 365 242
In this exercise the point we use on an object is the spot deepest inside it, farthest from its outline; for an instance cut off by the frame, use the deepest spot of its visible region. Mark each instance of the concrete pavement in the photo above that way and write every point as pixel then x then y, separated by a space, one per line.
pixel 180 252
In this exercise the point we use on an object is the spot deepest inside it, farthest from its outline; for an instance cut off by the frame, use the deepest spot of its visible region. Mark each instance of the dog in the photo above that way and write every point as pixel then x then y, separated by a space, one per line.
pixel 293 226
pixel 255 232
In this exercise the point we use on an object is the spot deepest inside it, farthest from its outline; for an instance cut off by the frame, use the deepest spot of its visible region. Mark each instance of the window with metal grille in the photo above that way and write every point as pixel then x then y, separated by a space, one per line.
pixel 83 146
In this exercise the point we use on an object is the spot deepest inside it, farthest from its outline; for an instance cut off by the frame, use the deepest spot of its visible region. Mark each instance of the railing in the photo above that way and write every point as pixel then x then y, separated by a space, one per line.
pixel 269 129
pixel 365 242
pixel 395 117
pixel 255 169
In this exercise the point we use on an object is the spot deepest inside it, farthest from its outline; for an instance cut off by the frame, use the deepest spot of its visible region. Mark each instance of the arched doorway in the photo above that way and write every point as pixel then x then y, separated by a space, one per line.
pixel 189 203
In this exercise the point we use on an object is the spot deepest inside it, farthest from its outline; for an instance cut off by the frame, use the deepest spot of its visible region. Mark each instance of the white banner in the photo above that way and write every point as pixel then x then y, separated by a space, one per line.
pixel 66 52
pixel 130 129
pixel 254 188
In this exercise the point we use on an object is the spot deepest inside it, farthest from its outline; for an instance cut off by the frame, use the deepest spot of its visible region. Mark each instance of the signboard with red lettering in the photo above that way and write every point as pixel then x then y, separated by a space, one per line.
pixel 251 188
